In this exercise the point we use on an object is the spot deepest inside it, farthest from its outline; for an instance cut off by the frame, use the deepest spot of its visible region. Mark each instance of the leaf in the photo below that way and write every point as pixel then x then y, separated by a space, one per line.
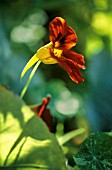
pixel 27 145
pixel 95 152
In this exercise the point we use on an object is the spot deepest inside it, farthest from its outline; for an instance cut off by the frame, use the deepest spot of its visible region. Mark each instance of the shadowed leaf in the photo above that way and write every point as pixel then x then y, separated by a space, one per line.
pixel 95 152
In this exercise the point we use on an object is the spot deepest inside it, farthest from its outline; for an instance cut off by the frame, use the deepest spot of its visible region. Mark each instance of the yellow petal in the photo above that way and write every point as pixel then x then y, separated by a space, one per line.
pixel 31 62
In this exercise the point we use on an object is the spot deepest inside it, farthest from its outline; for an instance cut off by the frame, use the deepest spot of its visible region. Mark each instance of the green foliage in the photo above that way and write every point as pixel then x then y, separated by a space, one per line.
pixel 95 152
pixel 28 141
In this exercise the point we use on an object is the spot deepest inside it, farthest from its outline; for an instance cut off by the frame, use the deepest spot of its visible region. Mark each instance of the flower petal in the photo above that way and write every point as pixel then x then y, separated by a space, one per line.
pixel 44 113
pixel 70 39
pixel 57 29
pixel 71 67
pixel 78 59
pixel 72 70
pixel 30 63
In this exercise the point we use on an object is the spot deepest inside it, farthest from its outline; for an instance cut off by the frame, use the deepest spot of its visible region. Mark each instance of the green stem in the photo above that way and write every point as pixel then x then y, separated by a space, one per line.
pixel 29 79
pixel 68 136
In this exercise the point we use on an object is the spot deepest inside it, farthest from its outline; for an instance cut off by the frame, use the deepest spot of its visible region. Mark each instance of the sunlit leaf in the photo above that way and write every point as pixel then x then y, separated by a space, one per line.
pixel 28 146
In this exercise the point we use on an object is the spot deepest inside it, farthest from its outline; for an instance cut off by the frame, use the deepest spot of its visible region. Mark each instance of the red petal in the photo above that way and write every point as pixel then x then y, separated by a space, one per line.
pixel 45 102
pixel 71 67
pixel 70 38
pixel 78 59
pixel 57 29
pixel 72 70
pixel 44 113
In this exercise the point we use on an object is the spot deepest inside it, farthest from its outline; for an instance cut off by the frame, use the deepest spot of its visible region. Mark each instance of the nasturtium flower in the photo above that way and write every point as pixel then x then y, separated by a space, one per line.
pixel 44 113
pixel 62 39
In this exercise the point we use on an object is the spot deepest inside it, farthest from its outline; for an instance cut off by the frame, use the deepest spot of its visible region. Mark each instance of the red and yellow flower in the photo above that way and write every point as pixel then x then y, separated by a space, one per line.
pixel 62 39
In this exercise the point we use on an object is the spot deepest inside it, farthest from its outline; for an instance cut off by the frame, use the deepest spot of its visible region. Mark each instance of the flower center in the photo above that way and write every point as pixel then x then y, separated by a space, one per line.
pixel 57 52
pixel 57 44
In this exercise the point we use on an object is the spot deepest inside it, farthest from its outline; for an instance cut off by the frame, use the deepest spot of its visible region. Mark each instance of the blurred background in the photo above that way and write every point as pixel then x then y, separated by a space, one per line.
pixel 24 28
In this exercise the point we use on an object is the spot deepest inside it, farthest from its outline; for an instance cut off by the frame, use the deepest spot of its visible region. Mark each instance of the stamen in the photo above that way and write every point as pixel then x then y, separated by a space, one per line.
pixel 57 44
